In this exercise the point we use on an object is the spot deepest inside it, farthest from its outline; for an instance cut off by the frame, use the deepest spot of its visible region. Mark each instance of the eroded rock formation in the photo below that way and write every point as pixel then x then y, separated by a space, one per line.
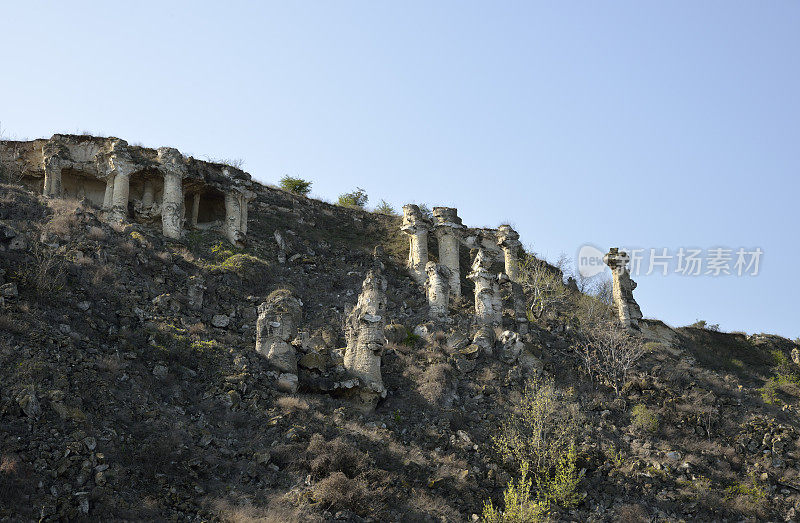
pixel 488 305
pixel 508 240
pixel 132 182
pixel 416 226
pixel 366 338
pixel 628 310
pixel 278 318
pixel 437 288
pixel 448 228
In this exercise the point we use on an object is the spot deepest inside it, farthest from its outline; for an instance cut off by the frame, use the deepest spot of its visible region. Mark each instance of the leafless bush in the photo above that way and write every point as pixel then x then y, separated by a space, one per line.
pixel 333 456
pixel 543 285
pixel 103 274
pixel 96 233
pixel 44 271
pixel 609 353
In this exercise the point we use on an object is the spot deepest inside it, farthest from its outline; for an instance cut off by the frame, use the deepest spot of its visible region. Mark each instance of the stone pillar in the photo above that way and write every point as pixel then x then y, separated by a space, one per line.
pixel 195 209
pixel 108 199
pixel 416 226
pixel 437 288
pixel 173 168
pixel 366 338
pixel 52 177
pixel 628 310
pixel 448 226
pixel 508 240
pixel 121 168
pixel 488 304
pixel 245 199
pixel 278 318
pixel 233 217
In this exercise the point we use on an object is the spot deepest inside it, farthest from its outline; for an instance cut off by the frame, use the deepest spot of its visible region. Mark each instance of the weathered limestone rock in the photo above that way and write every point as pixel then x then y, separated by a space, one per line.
pixel 416 226
pixel 174 170
pixel 448 228
pixel 121 168
pixel 366 338
pixel 52 164
pixel 627 309
pixel 795 354
pixel 488 305
pixel 276 327
pixel 236 215
pixel 437 288
pixel 508 240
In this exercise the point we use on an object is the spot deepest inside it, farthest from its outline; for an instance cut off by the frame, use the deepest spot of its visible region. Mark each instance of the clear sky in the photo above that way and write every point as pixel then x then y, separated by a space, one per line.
pixel 650 124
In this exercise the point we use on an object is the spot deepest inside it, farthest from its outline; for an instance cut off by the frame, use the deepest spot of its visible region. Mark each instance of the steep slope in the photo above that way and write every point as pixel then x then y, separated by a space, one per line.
pixel 123 399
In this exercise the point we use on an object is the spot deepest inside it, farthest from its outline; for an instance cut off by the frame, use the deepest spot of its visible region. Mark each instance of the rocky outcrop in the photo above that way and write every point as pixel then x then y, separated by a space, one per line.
pixel 416 226
pixel 366 338
pixel 628 310
pixel 278 318
pixel 135 183
pixel 448 228
pixel 508 240
pixel 488 305
pixel 437 288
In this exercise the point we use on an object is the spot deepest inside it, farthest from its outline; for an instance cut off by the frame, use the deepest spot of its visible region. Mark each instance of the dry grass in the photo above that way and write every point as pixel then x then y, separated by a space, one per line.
pixel 292 404
pixel 337 455
pixel 273 513
pixel 433 383
pixel 103 274
pixel 96 233
pixel 337 491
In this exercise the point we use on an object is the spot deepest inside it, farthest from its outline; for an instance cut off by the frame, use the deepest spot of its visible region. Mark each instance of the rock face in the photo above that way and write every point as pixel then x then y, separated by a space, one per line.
pixel 156 185
pixel 448 228
pixel 437 288
pixel 488 305
pixel 366 338
pixel 278 318
pixel 416 226
pixel 628 310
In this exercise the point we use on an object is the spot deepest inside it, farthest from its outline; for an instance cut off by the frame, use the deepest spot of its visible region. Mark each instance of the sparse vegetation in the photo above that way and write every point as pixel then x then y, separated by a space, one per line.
pixel 644 418
pixel 609 353
pixel 295 185
pixel 356 199
pixel 385 208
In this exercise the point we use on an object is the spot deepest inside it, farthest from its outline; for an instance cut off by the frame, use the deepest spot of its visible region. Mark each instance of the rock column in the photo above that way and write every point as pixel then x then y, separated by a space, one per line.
pixel 366 338
pixel 52 164
pixel 488 304
pixel 628 310
pixel 508 240
pixel 448 227
pixel 437 288
pixel 121 168
pixel 276 327
pixel 236 215
pixel 108 199
pixel 416 226
pixel 172 202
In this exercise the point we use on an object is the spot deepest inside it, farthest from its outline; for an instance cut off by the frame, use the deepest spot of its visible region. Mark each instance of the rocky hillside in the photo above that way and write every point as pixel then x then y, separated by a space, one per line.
pixel 130 387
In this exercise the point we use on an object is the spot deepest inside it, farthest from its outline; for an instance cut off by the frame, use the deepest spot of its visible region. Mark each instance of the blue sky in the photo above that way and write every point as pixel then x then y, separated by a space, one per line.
pixel 616 123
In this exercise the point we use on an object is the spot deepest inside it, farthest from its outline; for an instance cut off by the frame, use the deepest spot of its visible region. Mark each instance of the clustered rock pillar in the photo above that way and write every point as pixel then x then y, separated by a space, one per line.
pixel 488 304
pixel 172 201
pixel 108 199
pixel 236 215
pixel 121 169
pixel 276 327
pixel 437 287
pixel 366 337
pixel 627 309
pixel 417 227
pixel 195 209
pixel 508 240
pixel 448 228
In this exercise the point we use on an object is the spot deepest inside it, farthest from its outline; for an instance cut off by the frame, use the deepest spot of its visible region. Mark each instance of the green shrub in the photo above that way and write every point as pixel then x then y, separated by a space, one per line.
pixel 561 488
pixel 295 185
pixel 385 208
pixel 356 199
pixel 518 505
pixel 644 418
